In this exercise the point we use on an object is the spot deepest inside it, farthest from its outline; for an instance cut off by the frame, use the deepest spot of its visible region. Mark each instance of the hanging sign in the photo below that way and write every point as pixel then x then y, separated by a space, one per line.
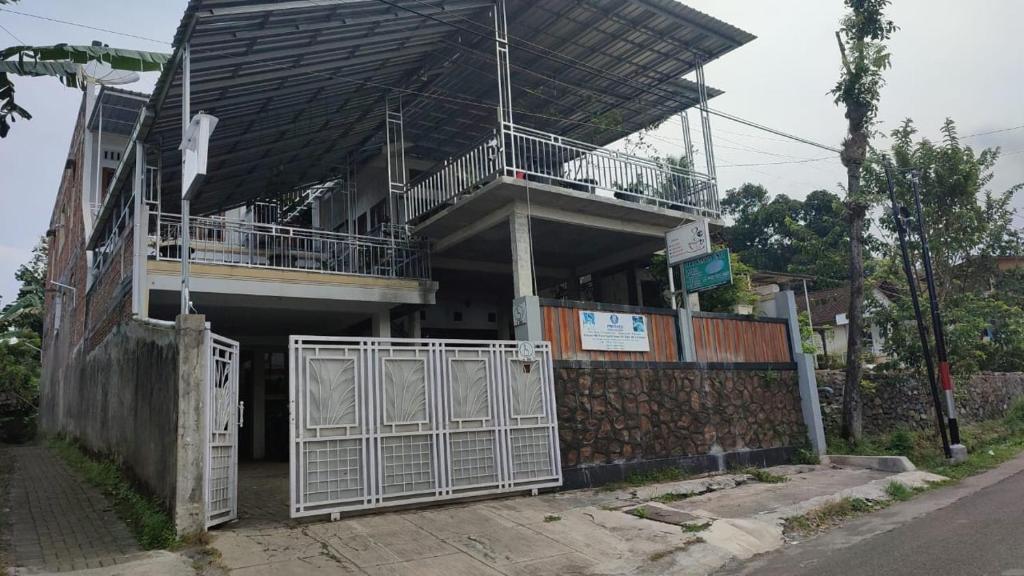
pixel 709 272
pixel 195 149
pixel 686 242
pixel 615 331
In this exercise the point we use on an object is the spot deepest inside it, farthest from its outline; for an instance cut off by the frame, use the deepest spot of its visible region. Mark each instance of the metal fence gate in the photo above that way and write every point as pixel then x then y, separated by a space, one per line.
pixel 379 422
pixel 220 473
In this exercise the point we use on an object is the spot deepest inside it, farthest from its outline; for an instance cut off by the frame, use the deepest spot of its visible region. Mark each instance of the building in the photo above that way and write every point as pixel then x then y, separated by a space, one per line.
pixel 376 200
pixel 831 326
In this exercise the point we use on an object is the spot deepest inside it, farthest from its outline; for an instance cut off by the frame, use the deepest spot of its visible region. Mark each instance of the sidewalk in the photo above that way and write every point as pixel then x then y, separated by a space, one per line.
pixel 578 532
pixel 55 522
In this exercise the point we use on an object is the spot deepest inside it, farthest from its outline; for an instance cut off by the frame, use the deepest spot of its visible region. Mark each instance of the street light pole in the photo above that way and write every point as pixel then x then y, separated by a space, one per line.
pixel 899 219
pixel 945 377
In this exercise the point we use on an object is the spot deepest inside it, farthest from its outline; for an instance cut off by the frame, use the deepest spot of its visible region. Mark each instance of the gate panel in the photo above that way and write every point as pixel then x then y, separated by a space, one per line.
pixel 381 422
pixel 221 425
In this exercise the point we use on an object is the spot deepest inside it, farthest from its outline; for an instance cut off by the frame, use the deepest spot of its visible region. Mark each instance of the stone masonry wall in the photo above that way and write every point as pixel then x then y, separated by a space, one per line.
pixel 626 414
pixel 895 401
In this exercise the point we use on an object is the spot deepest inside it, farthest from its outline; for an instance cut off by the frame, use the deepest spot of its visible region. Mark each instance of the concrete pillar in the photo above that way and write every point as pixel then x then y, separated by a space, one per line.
pixel 522 252
pixel 526 318
pixel 380 324
pixel 415 325
pixel 258 413
pixel 785 306
pixel 193 371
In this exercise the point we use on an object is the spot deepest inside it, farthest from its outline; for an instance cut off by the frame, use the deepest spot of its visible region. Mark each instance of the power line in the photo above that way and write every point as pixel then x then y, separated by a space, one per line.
pixel 994 131
pixel 97 29
pixel 16 39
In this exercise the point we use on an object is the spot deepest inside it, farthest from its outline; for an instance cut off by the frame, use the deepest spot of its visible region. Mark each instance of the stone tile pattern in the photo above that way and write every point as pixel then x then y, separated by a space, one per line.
pixel 902 400
pixel 57 522
pixel 630 414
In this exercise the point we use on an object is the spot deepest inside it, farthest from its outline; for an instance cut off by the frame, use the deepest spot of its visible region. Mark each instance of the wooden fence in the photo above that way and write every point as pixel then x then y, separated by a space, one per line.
pixel 562 329
pixel 729 338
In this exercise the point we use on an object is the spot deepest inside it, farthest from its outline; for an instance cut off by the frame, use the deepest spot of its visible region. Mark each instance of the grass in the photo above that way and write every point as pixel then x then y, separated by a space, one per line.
pixel 666 553
pixel 673 497
pixel 638 479
pixel 696 527
pixel 989 444
pixel 899 492
pixel 762 475
pixel 552 518
pixel 829 515
pixel 146 518
pixel 639 512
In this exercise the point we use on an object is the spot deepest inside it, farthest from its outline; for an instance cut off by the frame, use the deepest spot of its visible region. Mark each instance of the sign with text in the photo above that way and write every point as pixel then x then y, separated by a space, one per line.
pixel 614 331
pixel 709 272
pixel 687 242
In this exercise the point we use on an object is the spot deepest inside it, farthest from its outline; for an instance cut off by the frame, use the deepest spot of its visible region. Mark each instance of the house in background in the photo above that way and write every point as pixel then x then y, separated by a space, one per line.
pixel 829 310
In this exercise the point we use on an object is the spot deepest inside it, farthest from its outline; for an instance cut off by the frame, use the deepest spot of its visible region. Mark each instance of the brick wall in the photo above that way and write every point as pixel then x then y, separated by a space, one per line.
pixel 614 414
pixel 109 298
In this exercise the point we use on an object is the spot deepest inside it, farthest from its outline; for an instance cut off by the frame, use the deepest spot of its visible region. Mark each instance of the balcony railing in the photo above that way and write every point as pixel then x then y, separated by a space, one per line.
pixel 241 243
pixel 549 159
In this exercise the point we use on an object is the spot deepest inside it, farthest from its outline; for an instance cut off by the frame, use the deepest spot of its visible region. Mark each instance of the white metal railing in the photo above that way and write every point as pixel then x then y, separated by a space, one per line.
pixel 549 159
pixel 455 176
pixel 242 243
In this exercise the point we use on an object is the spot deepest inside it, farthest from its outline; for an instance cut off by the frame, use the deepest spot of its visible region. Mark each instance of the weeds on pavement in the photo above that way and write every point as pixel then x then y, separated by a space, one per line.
pixel 828 515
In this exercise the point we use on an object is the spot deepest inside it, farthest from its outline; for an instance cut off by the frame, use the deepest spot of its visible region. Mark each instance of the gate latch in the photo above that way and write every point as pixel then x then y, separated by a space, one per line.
pixel 241 413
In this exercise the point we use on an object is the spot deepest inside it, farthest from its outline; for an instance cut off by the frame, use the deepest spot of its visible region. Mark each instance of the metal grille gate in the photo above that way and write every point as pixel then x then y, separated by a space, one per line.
pixel 221 424
pixel 380 422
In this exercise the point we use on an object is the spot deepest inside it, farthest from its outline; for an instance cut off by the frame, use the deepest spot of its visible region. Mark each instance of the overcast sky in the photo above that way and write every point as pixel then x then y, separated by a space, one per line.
pixel 953 58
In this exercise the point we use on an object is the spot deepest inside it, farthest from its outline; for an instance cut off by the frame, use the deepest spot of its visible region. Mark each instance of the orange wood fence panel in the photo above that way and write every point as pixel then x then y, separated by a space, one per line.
pixel 562 329
pixel 720 339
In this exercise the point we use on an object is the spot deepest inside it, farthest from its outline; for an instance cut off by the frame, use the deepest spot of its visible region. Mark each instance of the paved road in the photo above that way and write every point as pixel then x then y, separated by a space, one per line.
pixel 975 528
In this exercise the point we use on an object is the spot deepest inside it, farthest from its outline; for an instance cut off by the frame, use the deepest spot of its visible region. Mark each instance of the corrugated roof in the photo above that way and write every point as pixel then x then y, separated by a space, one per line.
pixel 300 84
pixel 118 108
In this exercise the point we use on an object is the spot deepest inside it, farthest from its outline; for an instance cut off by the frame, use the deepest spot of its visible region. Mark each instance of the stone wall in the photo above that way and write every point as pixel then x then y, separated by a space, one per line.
pixel 612 413
pixel 894 401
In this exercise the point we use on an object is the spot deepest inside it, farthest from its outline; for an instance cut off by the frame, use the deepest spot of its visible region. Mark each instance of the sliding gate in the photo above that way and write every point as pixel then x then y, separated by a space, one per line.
pixel 379 422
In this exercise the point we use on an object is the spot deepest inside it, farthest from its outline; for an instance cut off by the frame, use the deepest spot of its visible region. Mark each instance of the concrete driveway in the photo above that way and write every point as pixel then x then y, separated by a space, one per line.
pixel 576 532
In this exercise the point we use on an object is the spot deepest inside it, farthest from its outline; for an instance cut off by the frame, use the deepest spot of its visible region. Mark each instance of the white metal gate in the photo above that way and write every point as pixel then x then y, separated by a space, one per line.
pixel 220 472
pixel 379 422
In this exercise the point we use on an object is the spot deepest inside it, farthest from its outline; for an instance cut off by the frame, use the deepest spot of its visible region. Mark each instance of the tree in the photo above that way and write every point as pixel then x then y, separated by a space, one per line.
pixel 782 234
pixel 864 57
pixel 968 226
pixel 21 324
pixel 65 62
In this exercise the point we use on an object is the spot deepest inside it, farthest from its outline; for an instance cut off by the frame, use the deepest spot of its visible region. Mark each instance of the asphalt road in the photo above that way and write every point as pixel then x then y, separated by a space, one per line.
pixel 973 528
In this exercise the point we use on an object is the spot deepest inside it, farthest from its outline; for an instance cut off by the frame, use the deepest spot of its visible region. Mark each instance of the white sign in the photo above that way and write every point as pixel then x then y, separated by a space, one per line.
pixel 195 148
pixel 616 331
pixel 687 242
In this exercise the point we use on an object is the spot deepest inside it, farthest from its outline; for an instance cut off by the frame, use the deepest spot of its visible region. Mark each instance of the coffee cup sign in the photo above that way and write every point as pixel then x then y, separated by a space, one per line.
pixel 688 241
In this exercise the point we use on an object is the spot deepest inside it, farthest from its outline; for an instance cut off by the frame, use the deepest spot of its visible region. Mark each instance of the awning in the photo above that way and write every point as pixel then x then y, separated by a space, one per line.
pixel 300 86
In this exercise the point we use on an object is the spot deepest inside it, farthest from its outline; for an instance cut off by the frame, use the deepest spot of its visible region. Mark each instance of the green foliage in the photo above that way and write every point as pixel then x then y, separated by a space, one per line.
pixel 62 61
pixel 806 456
pixel 152 526
pixel 967 226
pixel 782 234
pixel 899 492
pixel 552 518
pixel 762 475
pixel 827 516
pixel 721 299
pixel 21 323
pixel 696 527
pixel 806 334
pixel 901 442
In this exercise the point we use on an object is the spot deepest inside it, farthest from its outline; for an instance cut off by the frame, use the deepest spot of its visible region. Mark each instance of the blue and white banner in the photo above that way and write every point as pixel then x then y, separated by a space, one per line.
pixel 614 331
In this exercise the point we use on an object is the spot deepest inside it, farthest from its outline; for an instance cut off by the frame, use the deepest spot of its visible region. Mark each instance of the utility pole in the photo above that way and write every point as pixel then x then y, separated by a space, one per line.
pixel 959 451
pixel 899 216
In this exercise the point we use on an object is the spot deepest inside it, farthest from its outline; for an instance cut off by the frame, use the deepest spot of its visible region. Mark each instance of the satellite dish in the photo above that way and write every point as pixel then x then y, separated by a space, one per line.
pixel 102 73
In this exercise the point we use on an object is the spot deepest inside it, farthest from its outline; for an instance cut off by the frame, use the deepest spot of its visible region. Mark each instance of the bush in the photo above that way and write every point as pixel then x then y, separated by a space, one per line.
pixel 901 442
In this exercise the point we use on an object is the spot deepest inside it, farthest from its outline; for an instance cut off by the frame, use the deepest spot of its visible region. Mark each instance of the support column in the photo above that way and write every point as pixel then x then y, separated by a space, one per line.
pixel 186 113
pixel 507 151
pixel 415 325
pixel 140 308
pixel 193 370
pixel 526 305
pixel 258 414
pixel 785 306
pixel 380 324
pixel 397 173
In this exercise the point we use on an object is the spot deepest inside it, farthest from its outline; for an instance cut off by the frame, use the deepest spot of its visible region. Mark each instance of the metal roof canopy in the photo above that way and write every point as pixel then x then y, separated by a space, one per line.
pixel 300 85
pixel 119 110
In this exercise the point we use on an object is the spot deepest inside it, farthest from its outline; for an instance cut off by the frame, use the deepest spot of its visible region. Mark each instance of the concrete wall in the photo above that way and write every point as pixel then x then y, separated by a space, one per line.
pixel 895 401
pixel 121 399
pixel 615 413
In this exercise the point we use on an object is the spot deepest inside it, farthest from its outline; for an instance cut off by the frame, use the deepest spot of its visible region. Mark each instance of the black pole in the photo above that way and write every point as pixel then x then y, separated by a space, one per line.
pixel 922 331
pixel 945 377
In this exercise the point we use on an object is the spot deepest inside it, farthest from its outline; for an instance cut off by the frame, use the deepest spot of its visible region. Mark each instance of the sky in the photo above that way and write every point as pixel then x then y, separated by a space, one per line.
pixel 951 58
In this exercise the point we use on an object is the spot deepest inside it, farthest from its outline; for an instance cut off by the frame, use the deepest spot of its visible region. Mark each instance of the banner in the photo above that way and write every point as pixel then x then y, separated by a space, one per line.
pixel 614 331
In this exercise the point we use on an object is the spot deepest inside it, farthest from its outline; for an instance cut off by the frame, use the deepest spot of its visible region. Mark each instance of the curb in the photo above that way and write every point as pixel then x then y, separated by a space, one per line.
pixel 883 463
